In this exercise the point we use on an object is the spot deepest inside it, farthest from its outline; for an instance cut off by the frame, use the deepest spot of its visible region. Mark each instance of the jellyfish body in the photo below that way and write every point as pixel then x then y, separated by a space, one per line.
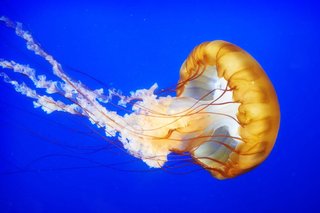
pixel 225 115
pixel 255 107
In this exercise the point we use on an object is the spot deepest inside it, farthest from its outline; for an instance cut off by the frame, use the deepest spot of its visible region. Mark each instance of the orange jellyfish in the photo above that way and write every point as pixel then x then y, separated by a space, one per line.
pixel 225 115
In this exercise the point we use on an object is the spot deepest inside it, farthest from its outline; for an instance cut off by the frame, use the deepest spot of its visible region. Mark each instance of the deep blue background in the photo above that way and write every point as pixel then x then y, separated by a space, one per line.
pixel 46 164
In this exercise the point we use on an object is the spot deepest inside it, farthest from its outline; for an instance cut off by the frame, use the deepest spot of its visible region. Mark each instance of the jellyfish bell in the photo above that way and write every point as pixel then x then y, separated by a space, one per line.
pixel 245 130
pixel 225 114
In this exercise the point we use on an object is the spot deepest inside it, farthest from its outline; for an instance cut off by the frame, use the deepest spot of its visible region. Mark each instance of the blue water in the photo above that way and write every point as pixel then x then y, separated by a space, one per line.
pixel 46 162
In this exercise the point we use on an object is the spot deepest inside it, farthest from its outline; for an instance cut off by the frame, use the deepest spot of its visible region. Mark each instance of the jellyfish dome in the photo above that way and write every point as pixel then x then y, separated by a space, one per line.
pixel 243 111
pixel 225 114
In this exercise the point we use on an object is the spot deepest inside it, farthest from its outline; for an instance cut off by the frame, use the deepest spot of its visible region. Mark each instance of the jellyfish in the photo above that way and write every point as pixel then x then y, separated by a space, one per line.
pixel 225 114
